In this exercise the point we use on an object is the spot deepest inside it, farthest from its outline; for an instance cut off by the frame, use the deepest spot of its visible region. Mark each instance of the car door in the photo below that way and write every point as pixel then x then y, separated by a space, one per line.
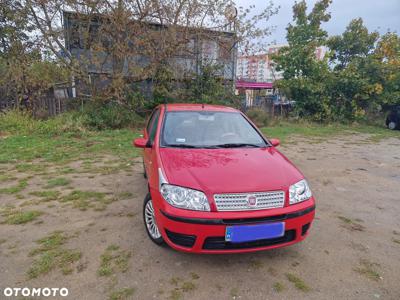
pixel 151 130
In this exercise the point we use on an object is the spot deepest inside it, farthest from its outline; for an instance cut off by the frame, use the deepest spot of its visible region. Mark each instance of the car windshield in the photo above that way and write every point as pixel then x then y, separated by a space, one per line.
pixel 205 129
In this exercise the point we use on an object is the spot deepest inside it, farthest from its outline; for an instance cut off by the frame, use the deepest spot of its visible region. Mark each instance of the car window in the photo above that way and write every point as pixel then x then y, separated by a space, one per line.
pixel 153 126
pixel 150 122
pixel 209 129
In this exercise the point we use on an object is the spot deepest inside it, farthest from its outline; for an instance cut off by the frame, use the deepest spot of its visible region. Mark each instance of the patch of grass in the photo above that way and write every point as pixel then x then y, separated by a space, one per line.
pixel 5 210
pixel 298 282
pixel 345 219
pixel 16 217
pixel 182 287
pixel 22 184
pixel 87 199
pixel 121 294
pixel 175 294
pixel 31 167
pixel 50 242
pixel 113 260
pixel 46 195
pixel 2 241
pixel 188 286
pixel 175 280
pixel 51 256
pixel 66 170
pixel 368 269
pixel 65 146
pixel 279 287
pixel 352 225
pixel 125 195
pixel 106 168
pixel 320 132
pixel 396 241
pixel 5 178
pixel 60 181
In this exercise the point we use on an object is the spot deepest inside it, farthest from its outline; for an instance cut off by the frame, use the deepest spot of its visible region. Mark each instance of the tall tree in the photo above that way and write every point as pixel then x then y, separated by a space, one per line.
pixel 354 84
pixel 355 42
pixel 14 28
pixel 303 74
pixel 385 64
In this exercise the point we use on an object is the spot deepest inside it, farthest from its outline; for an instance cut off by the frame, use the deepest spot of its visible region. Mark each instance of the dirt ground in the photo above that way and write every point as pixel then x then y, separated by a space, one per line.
pixel 352 252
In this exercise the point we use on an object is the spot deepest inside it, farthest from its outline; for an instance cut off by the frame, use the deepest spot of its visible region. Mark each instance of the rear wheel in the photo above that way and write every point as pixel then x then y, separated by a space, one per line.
pixel 150 221
pixel 392 125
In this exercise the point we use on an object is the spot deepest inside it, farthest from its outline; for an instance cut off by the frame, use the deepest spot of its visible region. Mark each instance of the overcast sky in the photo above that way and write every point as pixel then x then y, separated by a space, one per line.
pixel 379 15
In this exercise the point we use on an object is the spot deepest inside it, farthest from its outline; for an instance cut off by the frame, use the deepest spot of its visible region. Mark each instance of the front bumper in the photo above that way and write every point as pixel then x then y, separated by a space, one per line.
pixel 204 232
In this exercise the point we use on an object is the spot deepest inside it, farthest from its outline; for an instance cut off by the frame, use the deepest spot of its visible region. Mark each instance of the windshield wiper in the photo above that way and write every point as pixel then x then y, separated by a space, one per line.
pixel 237 145
pixel 181 146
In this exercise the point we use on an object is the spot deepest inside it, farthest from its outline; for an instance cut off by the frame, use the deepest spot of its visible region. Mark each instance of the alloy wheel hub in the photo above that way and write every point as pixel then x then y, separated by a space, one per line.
pixel 151 221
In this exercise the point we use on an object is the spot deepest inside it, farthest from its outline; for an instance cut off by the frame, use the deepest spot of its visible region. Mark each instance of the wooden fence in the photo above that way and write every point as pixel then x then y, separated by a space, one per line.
pixel 49 103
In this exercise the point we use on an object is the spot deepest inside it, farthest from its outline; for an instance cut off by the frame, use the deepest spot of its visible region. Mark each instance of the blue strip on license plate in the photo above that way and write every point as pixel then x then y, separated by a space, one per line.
pixel 247 233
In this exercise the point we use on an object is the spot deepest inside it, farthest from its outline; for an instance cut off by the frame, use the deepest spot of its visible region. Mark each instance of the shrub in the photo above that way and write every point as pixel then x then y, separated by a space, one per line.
pixel 259 116
pixel 110 115
pixel 94 116
pixel 23 123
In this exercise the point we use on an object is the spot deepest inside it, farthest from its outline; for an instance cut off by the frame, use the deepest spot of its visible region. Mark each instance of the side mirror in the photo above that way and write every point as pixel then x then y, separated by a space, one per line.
pixel 140 142
pixel 275 142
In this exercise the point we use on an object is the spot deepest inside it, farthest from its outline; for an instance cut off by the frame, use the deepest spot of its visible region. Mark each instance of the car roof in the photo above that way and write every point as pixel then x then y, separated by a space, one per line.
pixel 198 107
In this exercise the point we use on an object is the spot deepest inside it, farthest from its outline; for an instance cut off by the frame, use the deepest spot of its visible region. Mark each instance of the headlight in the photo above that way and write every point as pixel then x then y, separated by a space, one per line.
pixel 299 192
pixel 184 198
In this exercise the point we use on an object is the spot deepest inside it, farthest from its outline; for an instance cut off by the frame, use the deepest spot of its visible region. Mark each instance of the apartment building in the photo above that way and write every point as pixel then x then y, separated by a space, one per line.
pixel 260 68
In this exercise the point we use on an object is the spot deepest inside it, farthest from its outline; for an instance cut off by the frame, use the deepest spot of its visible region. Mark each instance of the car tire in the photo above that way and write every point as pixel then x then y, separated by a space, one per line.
pixel 150 222
pixel 392 125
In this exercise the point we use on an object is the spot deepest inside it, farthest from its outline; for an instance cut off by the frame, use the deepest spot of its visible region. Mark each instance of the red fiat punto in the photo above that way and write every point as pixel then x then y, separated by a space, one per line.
pixel 217 185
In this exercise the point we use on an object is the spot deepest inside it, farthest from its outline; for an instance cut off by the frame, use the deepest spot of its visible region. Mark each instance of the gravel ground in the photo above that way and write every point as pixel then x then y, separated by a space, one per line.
pixel 101 250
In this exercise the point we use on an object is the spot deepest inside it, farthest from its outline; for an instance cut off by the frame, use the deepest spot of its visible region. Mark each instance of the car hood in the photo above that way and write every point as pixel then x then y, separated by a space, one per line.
pixel 229 170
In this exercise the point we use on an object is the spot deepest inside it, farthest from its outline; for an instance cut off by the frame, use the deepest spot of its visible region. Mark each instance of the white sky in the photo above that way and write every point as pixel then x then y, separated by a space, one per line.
pixel 379 15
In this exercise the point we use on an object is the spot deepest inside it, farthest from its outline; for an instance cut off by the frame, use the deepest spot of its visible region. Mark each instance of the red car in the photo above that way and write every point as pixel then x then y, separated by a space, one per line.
pixel 217 185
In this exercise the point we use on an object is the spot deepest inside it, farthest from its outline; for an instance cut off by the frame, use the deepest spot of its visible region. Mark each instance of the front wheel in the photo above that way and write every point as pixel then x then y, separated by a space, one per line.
pixel 150 221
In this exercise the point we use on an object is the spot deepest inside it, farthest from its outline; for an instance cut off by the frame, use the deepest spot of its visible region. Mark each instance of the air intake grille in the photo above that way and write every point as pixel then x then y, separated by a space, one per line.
pixel 249 201
pixel 180 239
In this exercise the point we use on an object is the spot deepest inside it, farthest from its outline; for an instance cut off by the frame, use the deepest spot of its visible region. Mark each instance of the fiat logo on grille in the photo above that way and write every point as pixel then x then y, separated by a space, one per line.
pixel 251 200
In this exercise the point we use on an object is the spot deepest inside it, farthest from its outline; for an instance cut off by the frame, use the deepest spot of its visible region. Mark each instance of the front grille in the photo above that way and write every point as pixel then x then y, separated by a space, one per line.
pixel 180 239
pixel 239 201
pixel 219 243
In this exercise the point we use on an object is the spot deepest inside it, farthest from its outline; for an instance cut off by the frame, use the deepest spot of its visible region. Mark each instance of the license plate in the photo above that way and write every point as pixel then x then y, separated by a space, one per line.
pixel 247 233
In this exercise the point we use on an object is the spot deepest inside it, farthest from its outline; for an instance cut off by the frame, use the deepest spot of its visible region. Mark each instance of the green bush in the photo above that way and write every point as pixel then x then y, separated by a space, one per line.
pixel 259 116
pixel 93 116
pixel 110 116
